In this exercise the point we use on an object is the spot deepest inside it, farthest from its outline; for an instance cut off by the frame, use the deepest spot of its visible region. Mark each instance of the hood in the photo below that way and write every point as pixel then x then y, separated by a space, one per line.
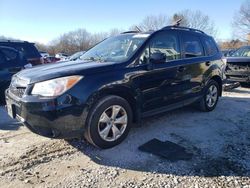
pixel 55 70
pixel 244 60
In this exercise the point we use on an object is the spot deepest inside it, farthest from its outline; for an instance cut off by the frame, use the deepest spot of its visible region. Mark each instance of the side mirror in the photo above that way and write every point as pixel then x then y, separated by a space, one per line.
pixel 158 57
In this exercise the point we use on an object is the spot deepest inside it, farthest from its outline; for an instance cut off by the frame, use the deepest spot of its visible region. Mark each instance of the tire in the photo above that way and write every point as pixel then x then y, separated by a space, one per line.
pixel 103 128
pixel 204 104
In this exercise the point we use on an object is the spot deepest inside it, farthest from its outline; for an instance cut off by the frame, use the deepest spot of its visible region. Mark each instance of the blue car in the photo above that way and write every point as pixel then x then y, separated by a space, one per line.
pixel 11 61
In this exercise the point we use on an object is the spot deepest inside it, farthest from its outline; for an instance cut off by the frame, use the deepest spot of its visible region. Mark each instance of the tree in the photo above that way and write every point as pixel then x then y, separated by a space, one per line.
pixel 153 22
pixel 241 22
pixel 193 19
pixel 196 20
pixel 71 42
pixel 77 40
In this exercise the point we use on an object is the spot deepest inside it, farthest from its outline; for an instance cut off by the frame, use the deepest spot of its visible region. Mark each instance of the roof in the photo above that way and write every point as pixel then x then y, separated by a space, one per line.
pixel 171 27
pixel 182 28
pixel 15 41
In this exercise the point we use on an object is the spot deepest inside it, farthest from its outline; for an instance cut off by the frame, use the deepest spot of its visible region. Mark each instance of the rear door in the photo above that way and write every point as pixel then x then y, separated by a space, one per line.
pixel 194 66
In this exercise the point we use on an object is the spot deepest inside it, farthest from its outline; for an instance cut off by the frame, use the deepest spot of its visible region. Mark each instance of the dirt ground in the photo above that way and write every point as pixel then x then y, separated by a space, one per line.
pixel 219 140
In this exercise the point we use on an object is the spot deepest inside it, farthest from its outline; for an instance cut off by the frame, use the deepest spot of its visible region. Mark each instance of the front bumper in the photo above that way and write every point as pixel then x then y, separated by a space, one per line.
pixel 238 76
pixel 53 118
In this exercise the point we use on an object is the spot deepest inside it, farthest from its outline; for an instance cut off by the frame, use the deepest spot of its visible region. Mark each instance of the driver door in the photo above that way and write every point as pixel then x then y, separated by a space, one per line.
pixel 161 86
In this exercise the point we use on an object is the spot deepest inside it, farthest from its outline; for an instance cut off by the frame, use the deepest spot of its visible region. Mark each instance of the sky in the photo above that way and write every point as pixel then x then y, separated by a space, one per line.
pixel 45 20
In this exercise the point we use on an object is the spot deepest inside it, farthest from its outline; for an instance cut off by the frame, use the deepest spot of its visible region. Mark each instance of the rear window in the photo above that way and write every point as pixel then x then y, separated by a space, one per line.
pixel 28 49
pixel 192 46
pixel 210 46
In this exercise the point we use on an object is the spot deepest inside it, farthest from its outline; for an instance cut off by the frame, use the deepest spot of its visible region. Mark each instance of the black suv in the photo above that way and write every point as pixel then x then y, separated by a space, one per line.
pixel 28 49
pixel 118 82
pixel 11 61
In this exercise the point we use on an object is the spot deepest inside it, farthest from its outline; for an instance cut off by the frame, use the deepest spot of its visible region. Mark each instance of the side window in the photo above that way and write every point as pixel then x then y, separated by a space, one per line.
pixel 9 54
pixel 210 46
pixel 144 58
pixel 166 43
pixel 192 46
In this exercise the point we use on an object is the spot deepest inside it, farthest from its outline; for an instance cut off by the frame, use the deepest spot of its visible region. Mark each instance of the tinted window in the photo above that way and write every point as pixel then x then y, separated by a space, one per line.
pixel 210 46
pixel 9 54
pixel 28 49
pixel 166 43
pixel 192 46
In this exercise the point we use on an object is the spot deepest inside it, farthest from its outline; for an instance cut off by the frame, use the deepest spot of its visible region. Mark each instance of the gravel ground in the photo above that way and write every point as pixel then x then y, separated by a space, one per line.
pixel 219 140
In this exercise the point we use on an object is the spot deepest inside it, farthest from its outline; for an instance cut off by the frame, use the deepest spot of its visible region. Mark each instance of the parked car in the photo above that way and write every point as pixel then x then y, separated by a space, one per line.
pixel 28 49
pixel 11 61
pixel 118 82
pixel 228 52
pixel 61 56
pixel 238 66
pixel 44 54
pixel 76 56
pixel 51 59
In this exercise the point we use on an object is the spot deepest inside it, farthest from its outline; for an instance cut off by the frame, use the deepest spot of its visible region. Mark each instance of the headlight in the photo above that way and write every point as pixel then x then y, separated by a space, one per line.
pixel 55 87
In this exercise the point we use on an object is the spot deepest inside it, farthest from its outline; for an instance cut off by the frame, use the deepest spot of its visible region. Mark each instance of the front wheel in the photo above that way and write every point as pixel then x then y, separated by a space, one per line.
pixel 108 122
pixel 210 97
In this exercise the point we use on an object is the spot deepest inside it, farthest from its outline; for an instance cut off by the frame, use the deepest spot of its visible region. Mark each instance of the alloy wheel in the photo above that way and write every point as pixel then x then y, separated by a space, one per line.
pixel 112 123
pixel 212 95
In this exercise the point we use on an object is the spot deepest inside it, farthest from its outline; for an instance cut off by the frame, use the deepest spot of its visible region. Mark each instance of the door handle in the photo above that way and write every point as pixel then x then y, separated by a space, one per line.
pixel 181 69
pixel 208 63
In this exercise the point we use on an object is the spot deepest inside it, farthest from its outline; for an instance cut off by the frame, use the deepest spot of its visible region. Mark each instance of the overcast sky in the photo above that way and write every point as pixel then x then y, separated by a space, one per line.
pixel 44 20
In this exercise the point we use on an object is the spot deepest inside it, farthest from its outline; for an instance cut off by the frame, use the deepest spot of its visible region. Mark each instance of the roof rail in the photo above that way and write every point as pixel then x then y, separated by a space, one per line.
pixel 138 30
pixel 130 32
pixel 182 28
pixel 12 40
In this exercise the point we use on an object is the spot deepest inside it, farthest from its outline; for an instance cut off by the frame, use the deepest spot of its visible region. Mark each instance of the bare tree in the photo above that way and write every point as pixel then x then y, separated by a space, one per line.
pixel 153 22
pixel 193 19
pixel 241 22
pixel 72 42
pixel 231 44
pixel 197 20
pixel 78 40
pixel 41 47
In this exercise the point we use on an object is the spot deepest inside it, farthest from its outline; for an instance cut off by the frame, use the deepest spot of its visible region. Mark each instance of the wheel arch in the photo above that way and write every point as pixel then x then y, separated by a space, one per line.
pixel 219 81
pixel 124 92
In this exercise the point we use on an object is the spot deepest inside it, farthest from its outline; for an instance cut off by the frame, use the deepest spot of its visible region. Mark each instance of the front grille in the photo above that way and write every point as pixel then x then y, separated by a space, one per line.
pixel 18 92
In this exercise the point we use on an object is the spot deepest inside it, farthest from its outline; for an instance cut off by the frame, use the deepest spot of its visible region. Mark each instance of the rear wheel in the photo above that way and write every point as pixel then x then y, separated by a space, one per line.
pixel 210 97
pixel 108 122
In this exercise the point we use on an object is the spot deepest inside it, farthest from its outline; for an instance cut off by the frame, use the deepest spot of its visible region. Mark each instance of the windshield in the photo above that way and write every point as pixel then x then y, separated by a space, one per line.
pixel 115 49
pixel 242 52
